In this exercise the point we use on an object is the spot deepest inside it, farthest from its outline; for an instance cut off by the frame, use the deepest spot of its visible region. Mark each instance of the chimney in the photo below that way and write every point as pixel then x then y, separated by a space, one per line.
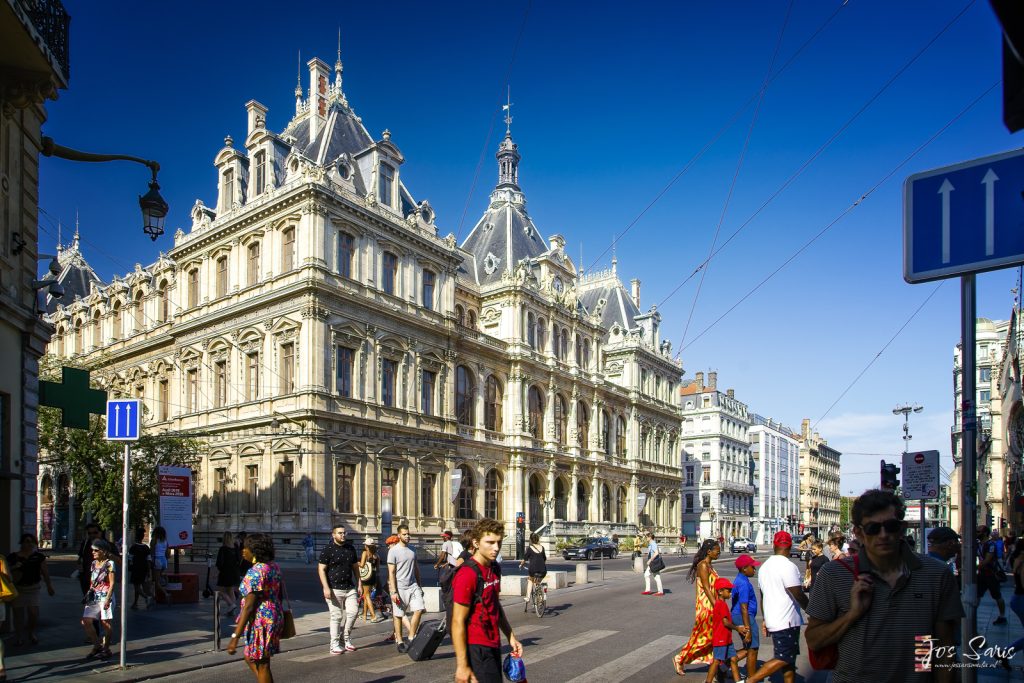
pixel 713 381
pixel 699 379
pixel 257 116
pixel 730 393
pixel 636 291
pixel 319 75
pixel 805 428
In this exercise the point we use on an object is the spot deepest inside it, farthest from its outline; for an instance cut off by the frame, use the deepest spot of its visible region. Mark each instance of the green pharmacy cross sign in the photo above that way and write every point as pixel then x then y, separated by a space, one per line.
pixel 73 397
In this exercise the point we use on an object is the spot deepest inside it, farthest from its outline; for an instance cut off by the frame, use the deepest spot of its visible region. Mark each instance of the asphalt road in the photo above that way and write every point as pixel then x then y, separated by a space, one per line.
pixel 597 632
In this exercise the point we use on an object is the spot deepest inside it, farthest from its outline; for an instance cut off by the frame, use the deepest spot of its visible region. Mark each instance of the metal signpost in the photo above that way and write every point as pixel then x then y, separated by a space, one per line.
pixel 123 424
pixel 960 220
pixel 921 482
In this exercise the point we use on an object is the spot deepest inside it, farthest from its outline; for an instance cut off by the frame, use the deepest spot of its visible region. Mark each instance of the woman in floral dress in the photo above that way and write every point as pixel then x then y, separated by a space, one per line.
pixel 262 616
pixel 698 648
pixel 99 601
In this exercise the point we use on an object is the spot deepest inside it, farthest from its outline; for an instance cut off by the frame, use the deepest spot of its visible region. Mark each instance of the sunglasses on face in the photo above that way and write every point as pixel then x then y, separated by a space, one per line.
pixel 891 526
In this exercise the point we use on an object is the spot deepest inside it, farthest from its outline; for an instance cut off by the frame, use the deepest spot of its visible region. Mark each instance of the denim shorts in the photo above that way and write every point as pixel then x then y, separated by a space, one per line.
pixel 786 644
pixel 755 641
pixel 724 653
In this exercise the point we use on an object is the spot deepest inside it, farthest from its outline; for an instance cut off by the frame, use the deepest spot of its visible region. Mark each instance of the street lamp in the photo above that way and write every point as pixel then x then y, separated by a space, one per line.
pixel 905 411
pixel 154 208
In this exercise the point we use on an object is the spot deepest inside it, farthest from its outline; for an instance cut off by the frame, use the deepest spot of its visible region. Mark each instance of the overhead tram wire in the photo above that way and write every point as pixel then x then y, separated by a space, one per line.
pixel 739 164
pixel 714 139
pixel 845 212
pixel 804 166
pixel 490 129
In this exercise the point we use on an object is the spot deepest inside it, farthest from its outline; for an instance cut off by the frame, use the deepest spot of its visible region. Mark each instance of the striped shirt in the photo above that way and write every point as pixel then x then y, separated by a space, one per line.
pixel 880 645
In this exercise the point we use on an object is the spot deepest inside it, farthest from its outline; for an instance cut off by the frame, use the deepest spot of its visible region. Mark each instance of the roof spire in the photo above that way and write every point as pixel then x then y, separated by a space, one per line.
pixel 298 83
pixel 615 259
pixel 507 108
pixel 337 65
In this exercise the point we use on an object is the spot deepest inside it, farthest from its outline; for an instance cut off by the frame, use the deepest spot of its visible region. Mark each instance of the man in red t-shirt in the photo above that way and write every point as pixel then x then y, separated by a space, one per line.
pixel 475 626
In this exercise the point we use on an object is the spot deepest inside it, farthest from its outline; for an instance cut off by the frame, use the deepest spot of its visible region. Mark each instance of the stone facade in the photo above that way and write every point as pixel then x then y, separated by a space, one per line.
pixel 33 68
pixel 819 484
pixel 718 473
pixel 330 347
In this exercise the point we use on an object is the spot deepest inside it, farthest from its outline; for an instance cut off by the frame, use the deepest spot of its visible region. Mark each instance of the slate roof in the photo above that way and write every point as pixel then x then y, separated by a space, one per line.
pixel 609 296
pixel 76 276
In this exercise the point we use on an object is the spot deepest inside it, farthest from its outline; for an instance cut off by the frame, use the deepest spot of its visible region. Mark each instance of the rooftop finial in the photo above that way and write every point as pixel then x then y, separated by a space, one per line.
pixel 298 75
pixel 507 108
pixel 337 65
pixel 615 259
pixel 59 245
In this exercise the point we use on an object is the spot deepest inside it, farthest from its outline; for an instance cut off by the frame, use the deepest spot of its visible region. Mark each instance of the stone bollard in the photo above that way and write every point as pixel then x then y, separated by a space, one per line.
pixel 638 564
pixel 582 570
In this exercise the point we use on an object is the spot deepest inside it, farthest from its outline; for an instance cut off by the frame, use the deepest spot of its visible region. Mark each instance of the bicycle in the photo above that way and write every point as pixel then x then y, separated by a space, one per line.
pixel 538 598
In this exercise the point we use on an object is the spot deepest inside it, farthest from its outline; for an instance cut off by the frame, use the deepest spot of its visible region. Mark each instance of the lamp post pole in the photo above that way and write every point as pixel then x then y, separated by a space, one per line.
pixel 905 411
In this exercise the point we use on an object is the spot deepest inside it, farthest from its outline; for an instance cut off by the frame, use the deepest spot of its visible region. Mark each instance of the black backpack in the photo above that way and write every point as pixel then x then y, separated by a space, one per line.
pixel 478 598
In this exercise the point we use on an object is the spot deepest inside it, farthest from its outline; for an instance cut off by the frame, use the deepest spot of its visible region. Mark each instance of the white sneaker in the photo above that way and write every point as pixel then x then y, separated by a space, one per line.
pixel 349 647
pixel 337 650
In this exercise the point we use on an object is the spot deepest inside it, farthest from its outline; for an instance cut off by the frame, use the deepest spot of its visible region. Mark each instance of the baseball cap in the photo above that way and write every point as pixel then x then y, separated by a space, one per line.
pixel 746 561
pixel 782 538
pixel 446 534
pixel 942 534
pixel 370 540
pixel 721 583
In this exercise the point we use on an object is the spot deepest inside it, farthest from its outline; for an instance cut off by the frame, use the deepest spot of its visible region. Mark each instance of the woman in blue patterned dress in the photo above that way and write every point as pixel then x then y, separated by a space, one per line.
pixel 262 616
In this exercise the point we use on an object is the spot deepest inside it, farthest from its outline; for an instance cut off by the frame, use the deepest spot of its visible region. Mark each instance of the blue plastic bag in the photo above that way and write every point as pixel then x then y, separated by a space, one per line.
pixel 513 668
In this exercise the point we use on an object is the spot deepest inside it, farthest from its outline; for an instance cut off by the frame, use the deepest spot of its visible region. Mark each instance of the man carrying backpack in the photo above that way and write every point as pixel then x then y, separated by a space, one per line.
pixel 477 614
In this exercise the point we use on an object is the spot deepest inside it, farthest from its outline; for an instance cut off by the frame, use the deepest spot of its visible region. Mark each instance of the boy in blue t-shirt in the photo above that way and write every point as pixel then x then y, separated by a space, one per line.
pixel 744 609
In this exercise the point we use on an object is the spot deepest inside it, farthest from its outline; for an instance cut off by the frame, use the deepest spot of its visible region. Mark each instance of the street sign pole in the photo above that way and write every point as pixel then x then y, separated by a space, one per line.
pixel 969 467
pixel 124 558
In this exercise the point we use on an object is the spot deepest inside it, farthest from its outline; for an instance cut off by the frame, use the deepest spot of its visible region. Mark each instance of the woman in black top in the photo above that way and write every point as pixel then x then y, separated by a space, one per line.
pixel 138 568
pixel 28 569
pixel 228 572
pixel 538 559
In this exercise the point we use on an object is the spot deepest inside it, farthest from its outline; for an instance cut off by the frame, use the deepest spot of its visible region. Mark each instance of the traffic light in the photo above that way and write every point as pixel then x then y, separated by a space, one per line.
pixel 890 482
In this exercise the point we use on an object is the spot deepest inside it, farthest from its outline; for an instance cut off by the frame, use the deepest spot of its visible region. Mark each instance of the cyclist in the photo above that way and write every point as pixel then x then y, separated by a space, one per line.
pixel 538 560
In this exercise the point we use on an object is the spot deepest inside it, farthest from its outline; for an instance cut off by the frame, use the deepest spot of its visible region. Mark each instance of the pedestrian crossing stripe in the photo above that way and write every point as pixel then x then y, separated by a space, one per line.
pixel 398 661
pixel 635 660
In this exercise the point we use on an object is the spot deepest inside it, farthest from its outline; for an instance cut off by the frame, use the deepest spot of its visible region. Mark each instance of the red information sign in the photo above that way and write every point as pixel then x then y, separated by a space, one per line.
pixel 175 486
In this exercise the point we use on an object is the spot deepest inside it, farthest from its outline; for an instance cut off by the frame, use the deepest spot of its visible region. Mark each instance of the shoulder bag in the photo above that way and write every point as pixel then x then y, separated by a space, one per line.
pixel 288 627
pixel 826 658
pixel 657 565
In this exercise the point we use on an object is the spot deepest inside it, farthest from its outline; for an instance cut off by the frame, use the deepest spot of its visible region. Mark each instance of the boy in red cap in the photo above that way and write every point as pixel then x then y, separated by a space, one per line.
pixel 721 633
pixel 744 610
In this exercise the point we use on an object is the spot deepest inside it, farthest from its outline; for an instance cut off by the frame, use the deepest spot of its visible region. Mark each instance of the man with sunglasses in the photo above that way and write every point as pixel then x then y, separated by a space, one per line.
pixel 874 611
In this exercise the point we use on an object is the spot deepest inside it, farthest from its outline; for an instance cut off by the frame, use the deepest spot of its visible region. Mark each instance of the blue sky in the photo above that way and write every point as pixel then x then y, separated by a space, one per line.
pixel 611 102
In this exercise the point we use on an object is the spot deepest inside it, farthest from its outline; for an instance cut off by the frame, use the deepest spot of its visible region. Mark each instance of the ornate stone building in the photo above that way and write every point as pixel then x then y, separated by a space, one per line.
pixel 819 484
pixel 34 66
pixel 330 347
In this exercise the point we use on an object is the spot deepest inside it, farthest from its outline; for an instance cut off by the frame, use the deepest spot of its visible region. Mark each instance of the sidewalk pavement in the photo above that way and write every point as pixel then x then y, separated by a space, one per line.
pixel 168 640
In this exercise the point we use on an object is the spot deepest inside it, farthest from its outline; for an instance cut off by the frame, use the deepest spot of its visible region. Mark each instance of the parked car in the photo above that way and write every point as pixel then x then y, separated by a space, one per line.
pixel 589 548
pixel 742 545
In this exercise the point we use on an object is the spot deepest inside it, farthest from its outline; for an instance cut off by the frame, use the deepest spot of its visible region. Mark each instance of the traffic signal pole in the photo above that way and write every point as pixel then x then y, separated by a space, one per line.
pixel 968 465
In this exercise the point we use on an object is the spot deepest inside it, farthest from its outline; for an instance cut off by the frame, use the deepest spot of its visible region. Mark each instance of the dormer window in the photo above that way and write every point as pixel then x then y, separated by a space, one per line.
pixel 260 162
pixel 228 190
pixel 385 184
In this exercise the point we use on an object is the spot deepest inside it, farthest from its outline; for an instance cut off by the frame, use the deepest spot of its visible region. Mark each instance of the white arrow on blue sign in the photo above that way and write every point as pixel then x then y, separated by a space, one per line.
pixel 123 419
pixel 964 218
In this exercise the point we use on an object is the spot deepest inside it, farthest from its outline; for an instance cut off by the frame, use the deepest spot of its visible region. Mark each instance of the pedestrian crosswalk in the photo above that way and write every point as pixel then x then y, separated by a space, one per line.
pixel 625 666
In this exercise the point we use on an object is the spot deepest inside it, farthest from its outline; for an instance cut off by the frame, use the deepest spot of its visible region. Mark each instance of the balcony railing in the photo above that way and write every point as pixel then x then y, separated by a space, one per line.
pixel 51 20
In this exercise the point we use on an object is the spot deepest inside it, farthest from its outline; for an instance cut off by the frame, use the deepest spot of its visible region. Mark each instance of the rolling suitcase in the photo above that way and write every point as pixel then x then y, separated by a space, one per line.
pixel 424 645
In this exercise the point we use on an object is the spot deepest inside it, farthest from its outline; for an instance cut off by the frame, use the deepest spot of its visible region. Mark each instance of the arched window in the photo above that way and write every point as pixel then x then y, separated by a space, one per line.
pixel 115 321
pixel 493 405
pixel 389 274
pixel 346 254
pixel 579 350
pixel 561 420
pixel 606 432
pixel 465 388
pixel 620 437
pixel 536 409
pixel 97 330
pixel 531 330
pixel 471 318
pixel 467 492
pixel 555 336
pixel 582 502
pixel 460 314
pixel 561 499
pixel 586 353
pixel 79 337
pixel 287 249
pixel 606 504
pixel 164 305
pixel 139 314
pixel 582 425
pixel 493 487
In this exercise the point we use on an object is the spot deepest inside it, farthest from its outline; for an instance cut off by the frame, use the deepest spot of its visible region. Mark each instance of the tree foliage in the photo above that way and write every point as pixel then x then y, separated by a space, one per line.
pixel 96 466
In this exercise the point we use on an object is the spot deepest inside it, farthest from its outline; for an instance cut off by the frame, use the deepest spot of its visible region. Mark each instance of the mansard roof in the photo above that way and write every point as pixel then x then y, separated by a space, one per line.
pixel 505 234
pixel 604 295
pixel 76 276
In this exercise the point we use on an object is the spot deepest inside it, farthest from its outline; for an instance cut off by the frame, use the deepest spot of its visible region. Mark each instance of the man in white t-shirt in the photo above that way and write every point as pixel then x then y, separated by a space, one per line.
pixel 782 597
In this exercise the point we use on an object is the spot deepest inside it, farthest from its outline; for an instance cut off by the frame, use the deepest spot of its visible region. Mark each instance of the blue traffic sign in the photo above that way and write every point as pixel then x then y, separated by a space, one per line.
pixel 123 419
pixel 964 218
